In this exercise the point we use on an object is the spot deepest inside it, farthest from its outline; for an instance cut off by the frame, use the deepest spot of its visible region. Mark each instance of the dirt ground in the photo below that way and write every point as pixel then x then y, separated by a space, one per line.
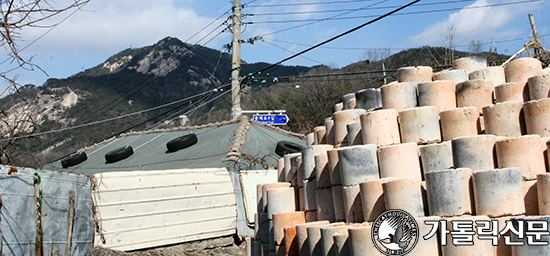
pixel 226 246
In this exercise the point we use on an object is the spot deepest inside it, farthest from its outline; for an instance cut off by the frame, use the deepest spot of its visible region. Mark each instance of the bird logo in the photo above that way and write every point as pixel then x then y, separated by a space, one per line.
pixel 395 232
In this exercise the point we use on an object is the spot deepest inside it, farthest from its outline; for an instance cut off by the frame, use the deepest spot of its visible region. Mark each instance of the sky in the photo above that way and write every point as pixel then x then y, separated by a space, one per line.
pixel 102 28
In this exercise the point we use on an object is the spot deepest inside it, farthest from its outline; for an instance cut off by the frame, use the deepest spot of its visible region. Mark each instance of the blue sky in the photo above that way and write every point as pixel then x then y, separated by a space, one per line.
pixel 105 27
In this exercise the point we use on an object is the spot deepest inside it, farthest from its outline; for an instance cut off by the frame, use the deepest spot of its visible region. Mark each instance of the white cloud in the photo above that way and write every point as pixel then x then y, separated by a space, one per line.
pixel 307 11
pixel 106 27
pixel 476 23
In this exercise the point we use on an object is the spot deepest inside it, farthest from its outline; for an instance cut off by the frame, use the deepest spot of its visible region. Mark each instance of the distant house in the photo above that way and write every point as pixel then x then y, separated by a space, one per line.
pixel 158 196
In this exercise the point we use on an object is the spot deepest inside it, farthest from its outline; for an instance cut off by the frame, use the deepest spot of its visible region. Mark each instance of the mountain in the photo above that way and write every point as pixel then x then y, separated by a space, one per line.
pixel 132 80
pixel 138 79
pixel 422 56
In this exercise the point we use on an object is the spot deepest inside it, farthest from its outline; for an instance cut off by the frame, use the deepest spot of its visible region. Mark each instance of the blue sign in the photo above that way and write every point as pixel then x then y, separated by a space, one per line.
pixel 272 119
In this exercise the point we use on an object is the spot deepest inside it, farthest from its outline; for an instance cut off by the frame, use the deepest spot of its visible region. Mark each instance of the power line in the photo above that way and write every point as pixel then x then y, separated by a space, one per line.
pixel 212 75
pixel 310 3
pixel 328 18
pixel 209 24
pixel 148 120
pixel 40 37
pixel 147 81
pixel 346 10
pixel 174 115
pixel 48 31
pixel 392 49
pixel 349 73
pixel 371 16
pixel 113 89
pixel 338 36
pixel 170 110
pixel 337 48
pixel 143 83
pixel 246 4
pixel 194 109
pixel 114 118
pixel 284 49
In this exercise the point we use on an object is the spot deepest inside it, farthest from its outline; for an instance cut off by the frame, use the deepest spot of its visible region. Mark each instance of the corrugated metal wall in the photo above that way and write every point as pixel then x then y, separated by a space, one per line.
pixel 146 209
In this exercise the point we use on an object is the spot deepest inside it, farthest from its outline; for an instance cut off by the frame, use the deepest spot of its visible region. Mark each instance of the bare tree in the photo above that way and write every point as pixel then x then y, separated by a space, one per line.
pixel 16 15
pixel 449 41
pixel 20 14
pixel 475 46
pixel 376 54
pixel 14 125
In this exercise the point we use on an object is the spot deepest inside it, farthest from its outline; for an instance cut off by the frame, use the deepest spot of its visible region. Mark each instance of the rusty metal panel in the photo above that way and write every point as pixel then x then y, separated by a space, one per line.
pixel 144 209
pixel 249 181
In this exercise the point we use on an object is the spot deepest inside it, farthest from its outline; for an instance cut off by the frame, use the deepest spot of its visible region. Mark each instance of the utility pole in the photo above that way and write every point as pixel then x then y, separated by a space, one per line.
pixel 236 110
pixel 384 73
pixel 536 37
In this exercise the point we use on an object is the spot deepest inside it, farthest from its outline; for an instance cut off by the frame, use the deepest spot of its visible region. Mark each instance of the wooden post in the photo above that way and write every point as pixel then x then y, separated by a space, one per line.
pixel 38 249
pixel 525 48
pixel 70 223
pixel 536 37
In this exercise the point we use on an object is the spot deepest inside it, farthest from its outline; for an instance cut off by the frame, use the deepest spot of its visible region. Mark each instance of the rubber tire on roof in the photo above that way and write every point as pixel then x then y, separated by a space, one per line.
pixel 181 142
pixel 287 147
pixel 74 159
pixel 119 154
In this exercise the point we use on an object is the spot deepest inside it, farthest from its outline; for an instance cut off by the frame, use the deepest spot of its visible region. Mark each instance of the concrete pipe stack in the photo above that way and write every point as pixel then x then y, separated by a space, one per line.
pixel 308 189
pixel 465 145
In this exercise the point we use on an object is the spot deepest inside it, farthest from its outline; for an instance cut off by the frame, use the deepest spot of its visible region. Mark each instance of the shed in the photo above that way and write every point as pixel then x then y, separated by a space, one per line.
pixel 155 197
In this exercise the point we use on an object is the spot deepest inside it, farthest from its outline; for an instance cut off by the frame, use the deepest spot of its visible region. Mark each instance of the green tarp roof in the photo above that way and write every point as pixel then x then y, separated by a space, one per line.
pixel 213 145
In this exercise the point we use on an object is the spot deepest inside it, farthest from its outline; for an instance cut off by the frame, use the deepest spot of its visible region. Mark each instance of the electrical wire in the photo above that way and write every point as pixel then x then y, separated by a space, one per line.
pixel 114 118
pixel 114 88
pixel 161 114
pixel 400 14
pixel 246 4
pixel 392 49
pixel 147 81
pixel 289 51
pixel 336 37
pixel 325 19
pixel 169 119
pixel 40 37
pixel 143 84
pixel 48 31
pixel 212 75
pixel 209 24
pixel 172 116
pixel 309 3
pixel 346 10
pixel 337 48
pixel 166 64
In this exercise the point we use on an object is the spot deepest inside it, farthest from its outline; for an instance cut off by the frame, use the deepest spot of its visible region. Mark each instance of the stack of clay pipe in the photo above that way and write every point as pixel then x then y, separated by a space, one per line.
pixel 468 143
